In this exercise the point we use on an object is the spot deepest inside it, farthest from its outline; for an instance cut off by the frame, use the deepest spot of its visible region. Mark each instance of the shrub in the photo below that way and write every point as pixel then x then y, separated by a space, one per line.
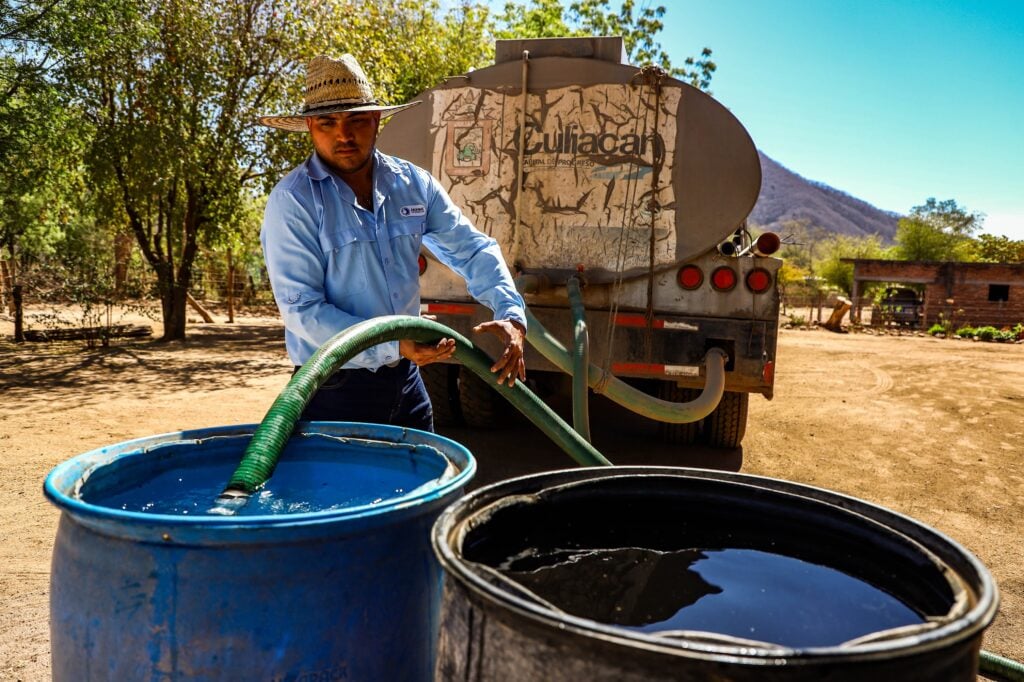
pixel 936 329
pixel 986 333
pixel 1006 335
pixel 798 320
pixel 966 332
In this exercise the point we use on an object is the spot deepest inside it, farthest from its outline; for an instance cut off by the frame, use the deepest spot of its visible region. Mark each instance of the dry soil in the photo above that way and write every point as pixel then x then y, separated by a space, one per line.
pixel 930 428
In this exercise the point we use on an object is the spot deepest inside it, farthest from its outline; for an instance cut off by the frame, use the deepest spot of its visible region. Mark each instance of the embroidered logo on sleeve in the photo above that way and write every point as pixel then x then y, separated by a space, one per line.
pixel 413 211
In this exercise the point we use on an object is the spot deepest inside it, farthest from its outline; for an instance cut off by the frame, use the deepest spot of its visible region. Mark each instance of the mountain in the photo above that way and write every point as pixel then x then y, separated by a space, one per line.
pixel 787 196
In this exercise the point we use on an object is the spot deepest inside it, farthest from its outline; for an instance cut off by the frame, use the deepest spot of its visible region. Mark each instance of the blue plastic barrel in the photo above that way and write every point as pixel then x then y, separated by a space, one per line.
pixel 327 575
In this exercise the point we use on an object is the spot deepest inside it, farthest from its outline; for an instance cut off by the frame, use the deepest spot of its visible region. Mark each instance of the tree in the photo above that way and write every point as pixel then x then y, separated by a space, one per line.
pixel 433 45
pixel 41 194
pixel 173 89
pixel 937 231
pixel 550 19
pixel 1000 249
pixel 831 268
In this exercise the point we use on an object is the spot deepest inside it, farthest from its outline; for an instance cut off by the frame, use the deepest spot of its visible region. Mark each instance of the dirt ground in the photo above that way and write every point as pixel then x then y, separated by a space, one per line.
pixel 931 428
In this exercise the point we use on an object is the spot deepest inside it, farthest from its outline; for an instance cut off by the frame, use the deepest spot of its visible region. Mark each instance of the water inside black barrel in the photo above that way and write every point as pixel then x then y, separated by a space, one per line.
pixel 745 593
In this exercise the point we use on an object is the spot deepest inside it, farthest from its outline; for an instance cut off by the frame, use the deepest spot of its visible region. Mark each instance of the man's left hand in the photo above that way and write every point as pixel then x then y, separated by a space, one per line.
pixel 511 364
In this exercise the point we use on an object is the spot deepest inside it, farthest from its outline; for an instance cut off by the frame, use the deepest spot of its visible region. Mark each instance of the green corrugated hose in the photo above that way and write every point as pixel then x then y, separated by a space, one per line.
pixel 1000 669
pixel 268 441
pixel 580 361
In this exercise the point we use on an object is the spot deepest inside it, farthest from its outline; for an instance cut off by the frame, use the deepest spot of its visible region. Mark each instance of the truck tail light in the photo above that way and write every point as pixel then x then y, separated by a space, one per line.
pixel 423 264
pixel 759 280
pixel 766 244
pixel 690 277
pixel 723 278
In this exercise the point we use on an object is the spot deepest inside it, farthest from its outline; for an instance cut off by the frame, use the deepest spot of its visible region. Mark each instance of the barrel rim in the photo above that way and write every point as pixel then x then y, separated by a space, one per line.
pixel 57 482
pixel 978 617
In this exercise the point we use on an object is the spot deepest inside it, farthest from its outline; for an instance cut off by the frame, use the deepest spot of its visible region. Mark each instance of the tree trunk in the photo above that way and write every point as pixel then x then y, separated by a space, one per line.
pixel 122 256
pixel 5 287
pixel 19 333
pixel 835 322
pixel 173 303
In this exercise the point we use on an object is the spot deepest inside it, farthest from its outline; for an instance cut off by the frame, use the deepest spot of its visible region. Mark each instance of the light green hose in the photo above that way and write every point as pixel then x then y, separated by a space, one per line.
pixel 268 441
pixel 632 398
pixel 1000 669
pixel 580 361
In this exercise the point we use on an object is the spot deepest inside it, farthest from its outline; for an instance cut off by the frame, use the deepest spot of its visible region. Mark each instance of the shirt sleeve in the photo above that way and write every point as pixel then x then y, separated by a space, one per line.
pixel 296 264
pixel 476 257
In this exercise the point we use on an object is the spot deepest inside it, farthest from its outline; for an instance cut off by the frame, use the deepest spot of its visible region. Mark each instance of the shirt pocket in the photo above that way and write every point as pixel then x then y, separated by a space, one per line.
pixel 348 255
pixel 406 238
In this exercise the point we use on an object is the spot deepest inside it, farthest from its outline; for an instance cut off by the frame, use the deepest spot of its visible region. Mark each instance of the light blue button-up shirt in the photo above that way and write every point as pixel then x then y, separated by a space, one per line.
pixel 333 263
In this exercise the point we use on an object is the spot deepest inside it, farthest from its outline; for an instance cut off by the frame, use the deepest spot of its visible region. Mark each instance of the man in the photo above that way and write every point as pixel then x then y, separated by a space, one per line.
pixel 341 238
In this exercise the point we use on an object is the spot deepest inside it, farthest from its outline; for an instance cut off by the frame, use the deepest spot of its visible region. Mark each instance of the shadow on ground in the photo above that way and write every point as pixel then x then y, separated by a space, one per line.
pixel 518 448
pixel 34 374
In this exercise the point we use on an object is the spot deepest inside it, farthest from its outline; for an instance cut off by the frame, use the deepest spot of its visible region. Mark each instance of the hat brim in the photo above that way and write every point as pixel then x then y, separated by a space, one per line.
pixel 297 124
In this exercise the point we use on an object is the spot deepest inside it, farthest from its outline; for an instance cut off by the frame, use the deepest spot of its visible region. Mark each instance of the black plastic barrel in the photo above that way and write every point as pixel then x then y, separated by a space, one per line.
pixel 496 627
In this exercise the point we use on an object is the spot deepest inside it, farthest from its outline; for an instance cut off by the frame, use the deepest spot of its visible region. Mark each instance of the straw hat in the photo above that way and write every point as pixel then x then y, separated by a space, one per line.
pixel 332 86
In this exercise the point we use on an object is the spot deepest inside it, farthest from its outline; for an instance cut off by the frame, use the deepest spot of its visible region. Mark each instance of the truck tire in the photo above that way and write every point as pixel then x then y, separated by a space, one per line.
pixel 480 403
pixel 442 385
pixel 678 434
pixel 724 428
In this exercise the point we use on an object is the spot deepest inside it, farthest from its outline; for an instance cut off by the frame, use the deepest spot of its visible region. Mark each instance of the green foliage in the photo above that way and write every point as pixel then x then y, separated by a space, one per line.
pixel 41 194
pixel 172 89
pixel 1002 249
pixel 986 333
pixel 638 28
pixel 990 333
pixel 936 329
pixel 139 116
pixel 938 231
pixel 837 247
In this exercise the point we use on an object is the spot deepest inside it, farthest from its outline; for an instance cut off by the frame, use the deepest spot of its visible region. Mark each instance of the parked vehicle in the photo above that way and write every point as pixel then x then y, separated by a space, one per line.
pixel 901 306
pixel 634 182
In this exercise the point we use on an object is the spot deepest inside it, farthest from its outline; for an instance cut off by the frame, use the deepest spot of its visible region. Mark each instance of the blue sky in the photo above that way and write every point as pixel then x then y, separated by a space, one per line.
pixel 890 101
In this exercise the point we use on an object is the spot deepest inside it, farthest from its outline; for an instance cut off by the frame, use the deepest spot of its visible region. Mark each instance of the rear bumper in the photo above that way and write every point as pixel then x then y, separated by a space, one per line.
pixel 671 348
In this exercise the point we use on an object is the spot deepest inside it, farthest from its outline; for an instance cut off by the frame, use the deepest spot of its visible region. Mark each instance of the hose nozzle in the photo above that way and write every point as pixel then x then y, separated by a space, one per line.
pixel 229 502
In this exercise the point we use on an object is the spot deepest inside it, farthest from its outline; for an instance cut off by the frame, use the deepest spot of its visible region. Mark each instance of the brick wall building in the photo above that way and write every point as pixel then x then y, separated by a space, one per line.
pixel 987 293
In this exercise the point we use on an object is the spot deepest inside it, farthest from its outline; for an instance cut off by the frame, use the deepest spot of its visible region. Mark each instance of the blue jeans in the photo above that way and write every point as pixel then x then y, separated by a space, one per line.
pixel 391 395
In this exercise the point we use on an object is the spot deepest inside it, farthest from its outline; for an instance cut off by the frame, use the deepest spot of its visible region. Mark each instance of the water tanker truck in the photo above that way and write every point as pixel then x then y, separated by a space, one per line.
pixel 624 186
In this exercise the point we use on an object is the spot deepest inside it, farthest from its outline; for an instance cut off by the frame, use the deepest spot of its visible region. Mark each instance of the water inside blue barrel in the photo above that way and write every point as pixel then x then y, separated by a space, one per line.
pixel 743 593
pixel 314 474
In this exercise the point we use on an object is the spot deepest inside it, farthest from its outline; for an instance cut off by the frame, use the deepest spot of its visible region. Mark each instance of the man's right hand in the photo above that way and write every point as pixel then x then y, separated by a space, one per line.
pixel 425 353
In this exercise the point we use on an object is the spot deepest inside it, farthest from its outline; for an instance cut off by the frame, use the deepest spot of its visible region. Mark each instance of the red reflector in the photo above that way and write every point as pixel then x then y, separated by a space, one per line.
pixel 690 277
pixel 758 280
pixel 723 278
pixel 637 368
pixel 423 264
pixel 627 320
pixel 768 372
pixel 450 308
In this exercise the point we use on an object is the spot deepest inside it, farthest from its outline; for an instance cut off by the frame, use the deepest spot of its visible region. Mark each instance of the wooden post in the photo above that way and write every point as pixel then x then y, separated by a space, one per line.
pixel 3 287
pixel 855 295
pixel 19 332
pixel 231 289
pixel 203 312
